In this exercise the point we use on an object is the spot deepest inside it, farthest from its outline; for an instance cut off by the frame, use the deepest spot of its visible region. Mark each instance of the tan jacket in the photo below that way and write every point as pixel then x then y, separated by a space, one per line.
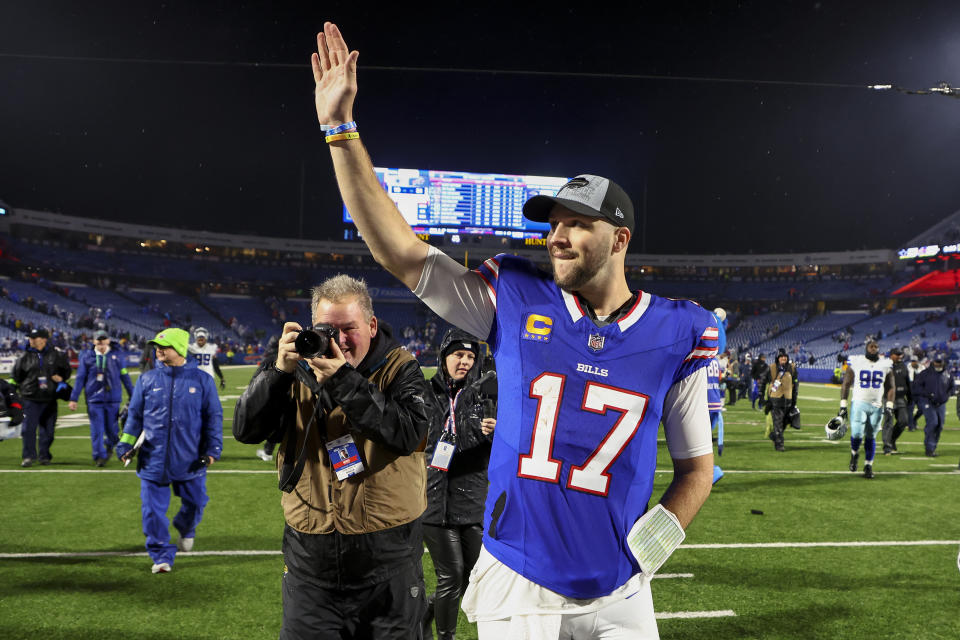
pixel 785 389
pixel 390 492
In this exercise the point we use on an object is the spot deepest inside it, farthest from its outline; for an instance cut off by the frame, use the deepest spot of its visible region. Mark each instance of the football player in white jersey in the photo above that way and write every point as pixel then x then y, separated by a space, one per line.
pixel 205 354
pixel 871 378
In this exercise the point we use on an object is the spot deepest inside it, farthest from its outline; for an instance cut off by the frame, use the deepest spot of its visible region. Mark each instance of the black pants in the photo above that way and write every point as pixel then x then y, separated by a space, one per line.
pixel 779 413
pixel 390 610
pixel 892 429
pixel 454 551
pixel 39 418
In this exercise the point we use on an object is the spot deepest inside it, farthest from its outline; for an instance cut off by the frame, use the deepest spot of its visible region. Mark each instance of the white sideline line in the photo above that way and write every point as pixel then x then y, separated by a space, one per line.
pixel 669 576
pixel 880 471
pixel 723 613
pixel 277 552
pixel 805 545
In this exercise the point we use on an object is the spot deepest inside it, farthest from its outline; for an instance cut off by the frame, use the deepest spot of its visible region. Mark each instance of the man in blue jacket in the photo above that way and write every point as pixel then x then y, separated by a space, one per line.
pixel 931 389
pixel 101 372
pixel 176 409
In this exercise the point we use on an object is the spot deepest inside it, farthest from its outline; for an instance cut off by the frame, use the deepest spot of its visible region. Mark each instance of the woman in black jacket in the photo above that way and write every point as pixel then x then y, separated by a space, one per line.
pixel 457 484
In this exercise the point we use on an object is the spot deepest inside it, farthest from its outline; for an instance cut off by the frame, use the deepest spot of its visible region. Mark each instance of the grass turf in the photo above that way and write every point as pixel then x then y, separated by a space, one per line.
pixel 805 495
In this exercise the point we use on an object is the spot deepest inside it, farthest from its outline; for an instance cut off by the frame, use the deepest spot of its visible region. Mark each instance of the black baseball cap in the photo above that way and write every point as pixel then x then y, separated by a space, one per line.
pixel 587 195
pixel 896 351
pixel 100 334
pixel 39 332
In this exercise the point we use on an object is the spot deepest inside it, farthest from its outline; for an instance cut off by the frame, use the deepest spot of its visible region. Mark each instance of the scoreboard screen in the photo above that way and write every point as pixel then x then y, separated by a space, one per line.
pixel 458 202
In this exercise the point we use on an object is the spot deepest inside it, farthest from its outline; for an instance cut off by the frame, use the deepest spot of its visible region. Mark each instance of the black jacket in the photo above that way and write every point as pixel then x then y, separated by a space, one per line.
pixel 265 411
pixel 760 371
pixel 456 496
pixel 901 381
pixel 10 403
pixel 32 365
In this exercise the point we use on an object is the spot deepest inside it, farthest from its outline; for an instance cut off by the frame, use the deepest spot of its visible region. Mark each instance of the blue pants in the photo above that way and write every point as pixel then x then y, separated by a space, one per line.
pixel 155 499
pixel 42 417
pixel 934 416
pixel 103 427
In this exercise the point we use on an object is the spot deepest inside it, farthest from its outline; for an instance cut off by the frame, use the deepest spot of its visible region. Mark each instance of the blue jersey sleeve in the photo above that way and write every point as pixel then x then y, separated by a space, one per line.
pixel 704 339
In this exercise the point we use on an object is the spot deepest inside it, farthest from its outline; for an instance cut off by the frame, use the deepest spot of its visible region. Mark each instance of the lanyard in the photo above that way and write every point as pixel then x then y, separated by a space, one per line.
pixel 451 424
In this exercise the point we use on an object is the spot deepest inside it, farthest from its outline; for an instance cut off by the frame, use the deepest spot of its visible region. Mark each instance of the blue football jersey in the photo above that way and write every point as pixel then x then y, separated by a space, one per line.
pixel 714 390
pixel 575 451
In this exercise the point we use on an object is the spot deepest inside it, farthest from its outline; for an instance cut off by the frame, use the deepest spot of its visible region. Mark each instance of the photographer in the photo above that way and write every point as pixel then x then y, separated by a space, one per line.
pixel 457 483
pixel 352 421
pixel 41 375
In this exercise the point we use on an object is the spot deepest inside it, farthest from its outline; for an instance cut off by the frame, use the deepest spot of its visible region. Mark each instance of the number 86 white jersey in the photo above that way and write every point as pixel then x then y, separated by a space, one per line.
pixel 868 377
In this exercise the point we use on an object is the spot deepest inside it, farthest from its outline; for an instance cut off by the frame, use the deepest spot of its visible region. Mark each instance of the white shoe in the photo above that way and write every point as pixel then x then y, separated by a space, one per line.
pixel 163 567
pixel 184 544
pixel 263 455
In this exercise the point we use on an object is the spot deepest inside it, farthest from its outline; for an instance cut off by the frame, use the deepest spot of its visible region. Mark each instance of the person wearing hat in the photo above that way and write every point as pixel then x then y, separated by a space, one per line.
pixel 40 373
pixel 100 373
pixel 176 408
pixel 587 369
pixel 931 389
pixel 902 402
pixel 456 487
pixel 870 380
pixel 205 353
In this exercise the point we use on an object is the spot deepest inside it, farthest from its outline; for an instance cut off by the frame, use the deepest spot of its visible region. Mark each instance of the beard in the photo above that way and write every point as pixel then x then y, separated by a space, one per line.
pixel 579 271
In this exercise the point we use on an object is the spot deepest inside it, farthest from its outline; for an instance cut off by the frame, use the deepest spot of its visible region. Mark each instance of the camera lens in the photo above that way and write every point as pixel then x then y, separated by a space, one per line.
pixel 311 344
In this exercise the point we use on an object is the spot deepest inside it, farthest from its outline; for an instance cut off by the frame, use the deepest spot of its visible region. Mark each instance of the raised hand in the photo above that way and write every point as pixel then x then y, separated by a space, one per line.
pixel 335 75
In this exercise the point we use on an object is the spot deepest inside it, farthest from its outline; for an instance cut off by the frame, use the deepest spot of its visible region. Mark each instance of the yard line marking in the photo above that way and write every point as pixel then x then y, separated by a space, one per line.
pixel 943 465
pixel 131 470
pixel 881 471
pixel 724 613
pixel 666 576
pixel 805 545
pixel 132 554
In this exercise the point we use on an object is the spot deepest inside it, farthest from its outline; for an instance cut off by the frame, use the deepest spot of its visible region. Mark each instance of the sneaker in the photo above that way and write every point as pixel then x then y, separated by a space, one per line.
pixel 853 461
pixel 45 461
pixel 263 455
pixel 26 462
pixel 717 474
pixel 868 470
pixel 101 462
pixel 162 567
pixel 184 544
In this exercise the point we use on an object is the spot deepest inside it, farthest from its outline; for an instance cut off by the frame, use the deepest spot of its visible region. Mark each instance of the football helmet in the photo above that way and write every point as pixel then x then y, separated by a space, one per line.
pixel 836 428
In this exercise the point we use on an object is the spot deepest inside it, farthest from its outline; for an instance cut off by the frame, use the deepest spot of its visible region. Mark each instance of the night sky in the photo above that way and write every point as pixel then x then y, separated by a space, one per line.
pixel 756 135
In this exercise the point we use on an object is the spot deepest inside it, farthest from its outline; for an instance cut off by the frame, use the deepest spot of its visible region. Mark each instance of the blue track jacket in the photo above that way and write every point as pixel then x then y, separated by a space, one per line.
pixel 179 409
pixel 107 389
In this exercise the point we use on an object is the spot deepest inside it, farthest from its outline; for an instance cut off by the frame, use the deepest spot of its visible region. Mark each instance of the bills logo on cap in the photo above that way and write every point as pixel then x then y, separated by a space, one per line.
pixel 595 342
pixel 586 189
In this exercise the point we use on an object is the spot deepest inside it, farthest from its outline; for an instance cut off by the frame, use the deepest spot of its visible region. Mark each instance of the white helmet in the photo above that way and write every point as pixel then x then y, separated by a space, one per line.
pixel 721 314
pixel 200 332
pixel 836 428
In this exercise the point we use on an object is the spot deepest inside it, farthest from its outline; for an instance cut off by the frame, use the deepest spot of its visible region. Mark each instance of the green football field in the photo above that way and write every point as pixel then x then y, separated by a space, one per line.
pixel 789 545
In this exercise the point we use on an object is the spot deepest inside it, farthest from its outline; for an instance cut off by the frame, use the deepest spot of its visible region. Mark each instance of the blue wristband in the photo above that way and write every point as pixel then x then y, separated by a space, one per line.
pixel 346 126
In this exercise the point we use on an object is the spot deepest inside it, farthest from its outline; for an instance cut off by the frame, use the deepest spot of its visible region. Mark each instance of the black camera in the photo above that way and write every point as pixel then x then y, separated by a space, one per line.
pixel 315 342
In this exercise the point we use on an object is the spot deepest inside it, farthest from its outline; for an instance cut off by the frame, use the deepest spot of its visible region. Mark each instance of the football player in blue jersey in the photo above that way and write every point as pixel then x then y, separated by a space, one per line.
pixel 587 370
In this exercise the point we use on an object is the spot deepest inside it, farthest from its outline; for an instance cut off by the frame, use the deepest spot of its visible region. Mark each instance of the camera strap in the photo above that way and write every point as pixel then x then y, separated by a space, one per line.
pixel 291 471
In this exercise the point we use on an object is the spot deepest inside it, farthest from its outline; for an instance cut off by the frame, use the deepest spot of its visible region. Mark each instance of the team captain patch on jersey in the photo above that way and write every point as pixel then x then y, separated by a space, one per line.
pixel 573 462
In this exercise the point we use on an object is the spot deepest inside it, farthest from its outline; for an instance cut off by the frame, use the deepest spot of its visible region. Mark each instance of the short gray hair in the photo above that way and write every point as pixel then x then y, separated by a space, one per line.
pixel 341 288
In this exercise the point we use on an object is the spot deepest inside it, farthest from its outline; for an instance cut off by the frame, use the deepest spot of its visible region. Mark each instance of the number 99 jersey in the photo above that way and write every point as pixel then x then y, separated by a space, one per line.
pixel 575 451
pixel 868 377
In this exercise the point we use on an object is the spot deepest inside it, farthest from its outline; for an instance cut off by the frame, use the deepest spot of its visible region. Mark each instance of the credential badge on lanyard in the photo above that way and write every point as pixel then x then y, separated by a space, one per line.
pixel 345 457
pixel 446 444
